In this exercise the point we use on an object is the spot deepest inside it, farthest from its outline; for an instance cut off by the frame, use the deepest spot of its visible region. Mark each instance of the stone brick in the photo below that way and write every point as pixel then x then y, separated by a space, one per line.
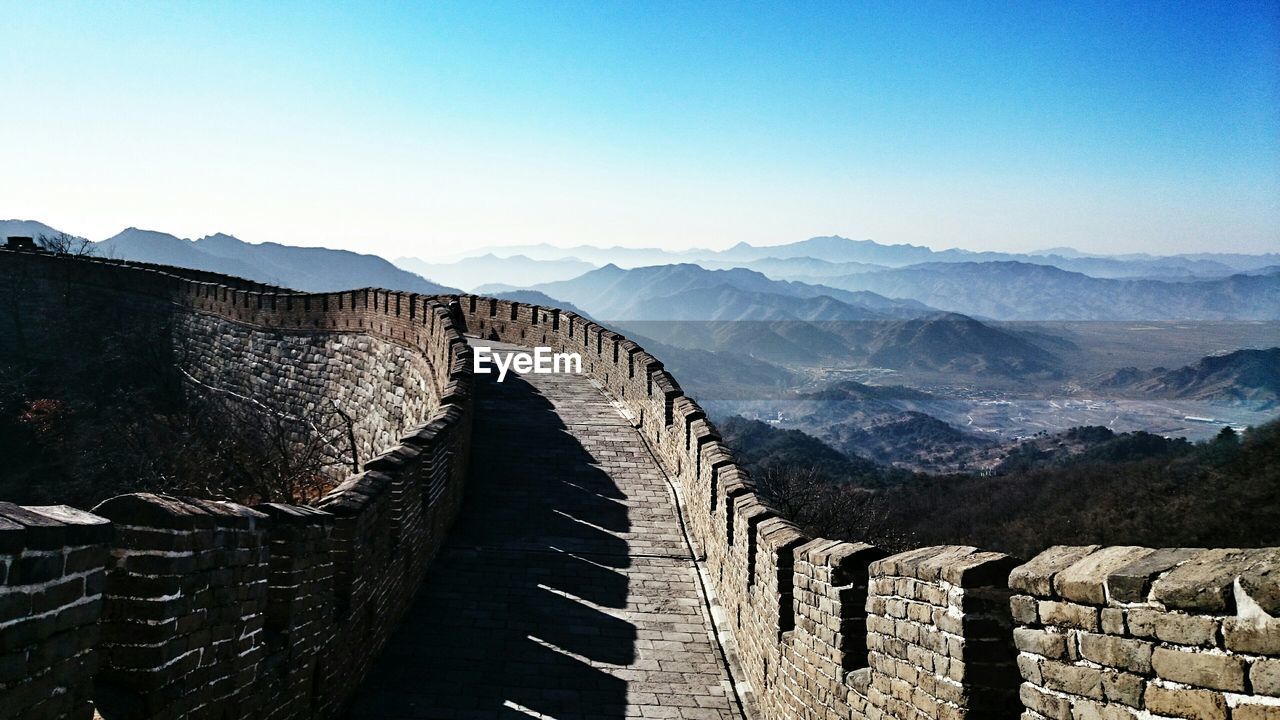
pixel 1047 644
pixel 1085 580
pixel 1131 582
pixel 1024 610
pixel 1264 676
pixel 1255 711
pixel 1260 635
pixel 1184 703
pixel 1113 621
pixel 1123 688
pixel 1217 672
pixel 1036 576
pixel 1047 705
pixel 1072 679
pixel 1173 627
pixel 1123 653
pixel 1069 615
pixel 1205 582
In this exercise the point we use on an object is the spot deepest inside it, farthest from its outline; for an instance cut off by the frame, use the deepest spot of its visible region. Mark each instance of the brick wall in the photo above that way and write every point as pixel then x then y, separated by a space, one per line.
pixel 51 582
pixel 820 630
pixel 1130 632
pixel 165 607
pixel 292 603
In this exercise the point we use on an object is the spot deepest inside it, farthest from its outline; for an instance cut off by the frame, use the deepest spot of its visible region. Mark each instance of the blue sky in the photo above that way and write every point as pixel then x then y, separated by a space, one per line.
pixel 417 129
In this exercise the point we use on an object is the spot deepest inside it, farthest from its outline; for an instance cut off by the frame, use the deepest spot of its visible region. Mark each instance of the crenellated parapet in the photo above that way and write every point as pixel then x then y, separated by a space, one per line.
pixel 155 606
pixel 175 607
pixel 817 629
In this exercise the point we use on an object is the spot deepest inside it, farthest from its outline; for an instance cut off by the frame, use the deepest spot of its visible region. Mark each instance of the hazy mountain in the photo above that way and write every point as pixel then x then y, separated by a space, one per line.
pixel 804 269
pixel 910 439
pixel 833 249
pixel 709 375
pixel 891 425
pixel 761 445
pixel 311 269
pixel 621 256
pixel 318 269
pixel 517 270
pixel 788 260
pixel 1024 291
pixel 690 292
pixel 783 341
pixel 533 297
pixel 939 344
pixel 948 342
pixel 26 228
pixel 1245 377
pixel 165 249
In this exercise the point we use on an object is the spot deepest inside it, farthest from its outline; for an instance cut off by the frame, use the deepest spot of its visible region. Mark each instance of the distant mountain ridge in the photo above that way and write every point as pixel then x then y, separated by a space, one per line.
pixel 1246 377
pixel 837 249
pixel 490 269
pixel 1006 290
pixel 691 292
pixel 307 269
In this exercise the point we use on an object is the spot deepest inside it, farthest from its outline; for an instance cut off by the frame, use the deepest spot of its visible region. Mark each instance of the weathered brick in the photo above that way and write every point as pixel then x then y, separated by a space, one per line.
pixel 1264 676
pixel 1047 644
pixel 1217 672
pixel 1036 576
pixel 1123 653
pixel 1184 703
pixel 1069 615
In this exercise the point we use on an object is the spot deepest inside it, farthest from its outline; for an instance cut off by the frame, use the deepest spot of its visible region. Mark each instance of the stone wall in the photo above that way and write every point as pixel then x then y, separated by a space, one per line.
pixel 1130 632
pixel 51 593
pixel 166 607
pixel 193 608
pixel 817 629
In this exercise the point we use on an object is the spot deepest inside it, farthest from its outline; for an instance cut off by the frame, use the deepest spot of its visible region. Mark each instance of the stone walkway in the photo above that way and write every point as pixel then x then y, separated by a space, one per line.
pixel 567 590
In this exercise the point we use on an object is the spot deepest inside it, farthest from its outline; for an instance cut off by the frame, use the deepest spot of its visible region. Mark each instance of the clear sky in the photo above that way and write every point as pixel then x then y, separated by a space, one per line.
pixel 421 128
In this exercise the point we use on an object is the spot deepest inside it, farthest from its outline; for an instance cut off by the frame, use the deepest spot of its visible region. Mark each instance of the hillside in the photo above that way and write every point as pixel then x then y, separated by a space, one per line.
pixel 488 269
pixel 165 249
pixel 313 269
pixel 26 228
pixel 1244 377
pixel 690 292
pixel 949 342
pixel 892 425
pixel 788 260
pixel 1024 291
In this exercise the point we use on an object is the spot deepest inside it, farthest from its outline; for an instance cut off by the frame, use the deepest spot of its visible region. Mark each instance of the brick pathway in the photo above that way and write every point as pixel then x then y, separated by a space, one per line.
pixel 566 590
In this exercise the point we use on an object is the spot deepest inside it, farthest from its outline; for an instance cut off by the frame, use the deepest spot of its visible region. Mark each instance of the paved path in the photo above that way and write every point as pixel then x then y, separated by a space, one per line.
pixel 566 590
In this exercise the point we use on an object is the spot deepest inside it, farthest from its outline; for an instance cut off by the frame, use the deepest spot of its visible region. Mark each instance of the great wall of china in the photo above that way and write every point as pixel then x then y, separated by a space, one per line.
pixel 160 607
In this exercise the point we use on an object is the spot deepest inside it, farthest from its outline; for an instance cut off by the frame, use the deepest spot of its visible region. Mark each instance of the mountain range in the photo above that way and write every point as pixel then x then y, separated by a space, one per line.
pixel 309 269
pixel 1060 285
pixel 691 292
pixel 489 269
pixel 841 250
pixel 1247 377
pixel 1007 290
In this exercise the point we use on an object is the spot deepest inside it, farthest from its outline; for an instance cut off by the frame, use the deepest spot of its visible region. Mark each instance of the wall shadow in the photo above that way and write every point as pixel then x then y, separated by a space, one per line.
pixel 522 605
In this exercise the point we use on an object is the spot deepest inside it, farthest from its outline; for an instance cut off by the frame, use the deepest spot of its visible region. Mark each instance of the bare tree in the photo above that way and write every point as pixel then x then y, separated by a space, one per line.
pixel 64 244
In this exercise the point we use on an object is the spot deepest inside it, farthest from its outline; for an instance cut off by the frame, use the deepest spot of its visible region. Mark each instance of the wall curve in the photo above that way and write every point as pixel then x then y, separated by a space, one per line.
pixel 819 629
pixel 155 606
pixel 183 607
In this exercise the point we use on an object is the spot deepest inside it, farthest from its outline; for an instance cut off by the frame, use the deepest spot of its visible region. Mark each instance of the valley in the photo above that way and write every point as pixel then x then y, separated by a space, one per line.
pixel 925 360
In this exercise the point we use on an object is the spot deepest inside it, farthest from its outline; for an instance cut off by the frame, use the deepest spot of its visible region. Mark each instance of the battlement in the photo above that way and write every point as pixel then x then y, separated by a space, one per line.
pixel 821 629
pixel 181 607
pixel 156 606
